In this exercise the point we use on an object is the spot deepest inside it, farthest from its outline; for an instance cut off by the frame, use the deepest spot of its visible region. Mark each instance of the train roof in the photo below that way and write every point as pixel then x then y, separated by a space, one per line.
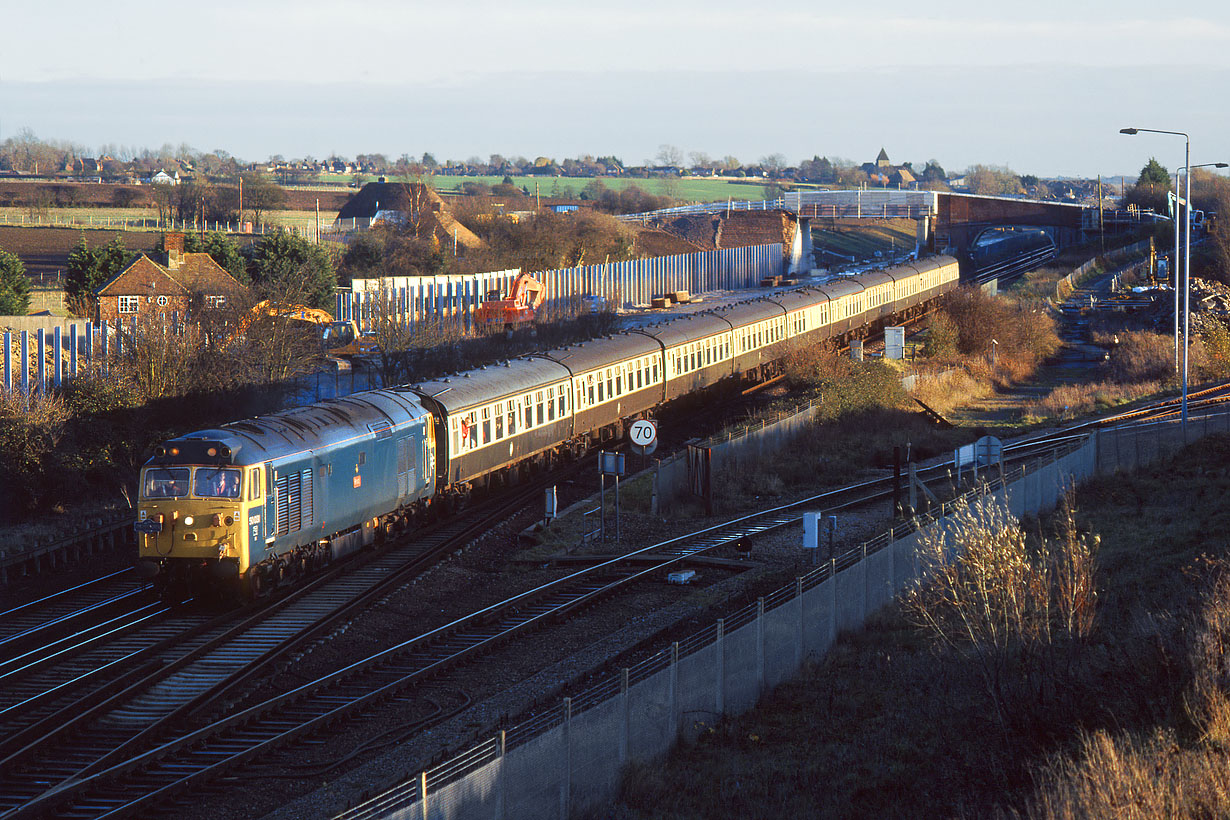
pixel 306 428
pixel 585 356
pixel 473 388
pixel 838 288
pixel 687 328
pixel 753 310
pixel 799 299
pixel 878 277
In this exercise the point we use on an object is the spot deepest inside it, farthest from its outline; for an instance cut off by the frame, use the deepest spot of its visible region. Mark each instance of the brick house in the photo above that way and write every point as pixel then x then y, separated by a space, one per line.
pixel 184 284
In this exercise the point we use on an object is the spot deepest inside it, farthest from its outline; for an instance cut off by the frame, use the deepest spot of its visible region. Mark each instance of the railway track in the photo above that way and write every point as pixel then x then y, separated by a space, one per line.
pixel 138 783
pixel 148 699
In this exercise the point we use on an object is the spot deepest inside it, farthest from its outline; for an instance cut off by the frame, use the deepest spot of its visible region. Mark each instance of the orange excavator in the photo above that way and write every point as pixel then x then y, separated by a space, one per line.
pixel 516 309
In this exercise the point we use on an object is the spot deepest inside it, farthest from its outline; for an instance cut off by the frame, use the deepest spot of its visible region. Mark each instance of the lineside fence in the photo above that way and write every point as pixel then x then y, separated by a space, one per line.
pixel 1065 286
pixel 414 299
pixel 728 451
pixel 568 758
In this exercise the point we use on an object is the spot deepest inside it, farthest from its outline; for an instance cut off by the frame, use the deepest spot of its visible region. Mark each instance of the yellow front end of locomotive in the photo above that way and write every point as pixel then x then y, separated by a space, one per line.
pixel 191 517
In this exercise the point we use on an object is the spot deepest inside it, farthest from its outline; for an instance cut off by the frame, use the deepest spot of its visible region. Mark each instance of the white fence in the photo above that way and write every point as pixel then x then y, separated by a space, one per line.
pixel 568 760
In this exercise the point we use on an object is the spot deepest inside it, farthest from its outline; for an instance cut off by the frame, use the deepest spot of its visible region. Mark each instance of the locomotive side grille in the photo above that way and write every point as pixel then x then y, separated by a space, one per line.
pixel 293 513
pixel 294 501
pixel 282 506
pixel 308 510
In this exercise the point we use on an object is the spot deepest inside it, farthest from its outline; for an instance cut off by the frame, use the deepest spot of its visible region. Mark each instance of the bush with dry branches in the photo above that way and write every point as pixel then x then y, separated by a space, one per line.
pixel 1010 605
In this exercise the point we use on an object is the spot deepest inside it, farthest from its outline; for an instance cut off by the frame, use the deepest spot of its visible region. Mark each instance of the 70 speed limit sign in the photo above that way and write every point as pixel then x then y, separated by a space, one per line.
pixel 643 436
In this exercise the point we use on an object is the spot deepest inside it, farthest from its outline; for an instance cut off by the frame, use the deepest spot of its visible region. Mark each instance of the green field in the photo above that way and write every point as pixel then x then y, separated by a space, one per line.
pixel 691 190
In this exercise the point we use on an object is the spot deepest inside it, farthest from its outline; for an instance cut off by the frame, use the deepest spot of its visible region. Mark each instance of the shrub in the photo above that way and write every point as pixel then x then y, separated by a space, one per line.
pixel 1006 605
pixel 1142 357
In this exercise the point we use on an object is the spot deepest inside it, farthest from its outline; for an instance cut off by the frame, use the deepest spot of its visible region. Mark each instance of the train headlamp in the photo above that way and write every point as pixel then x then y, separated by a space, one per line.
pixel 217 522
pixel 187 521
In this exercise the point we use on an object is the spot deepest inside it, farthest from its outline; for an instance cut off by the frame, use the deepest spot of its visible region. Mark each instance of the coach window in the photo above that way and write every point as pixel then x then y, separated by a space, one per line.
pixel 512 417
pixel 640 374
pixel 456 434
pixel 499 423
pixel 542 411
pixel 486 425
pixel 619 381
pixel 609 383
pixel 590 393
pixel 563 404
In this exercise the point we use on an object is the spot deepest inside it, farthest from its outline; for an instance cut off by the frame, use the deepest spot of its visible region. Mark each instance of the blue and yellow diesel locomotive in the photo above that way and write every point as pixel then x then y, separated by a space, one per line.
pixel 268 498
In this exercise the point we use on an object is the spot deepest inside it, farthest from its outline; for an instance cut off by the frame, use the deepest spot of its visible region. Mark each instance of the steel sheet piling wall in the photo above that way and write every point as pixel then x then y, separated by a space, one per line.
pixel 616 284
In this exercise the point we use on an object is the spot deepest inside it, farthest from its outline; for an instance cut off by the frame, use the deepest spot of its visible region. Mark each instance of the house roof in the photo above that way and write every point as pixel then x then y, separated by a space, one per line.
pixel 390 196
pixel 143 269
pixel 198 273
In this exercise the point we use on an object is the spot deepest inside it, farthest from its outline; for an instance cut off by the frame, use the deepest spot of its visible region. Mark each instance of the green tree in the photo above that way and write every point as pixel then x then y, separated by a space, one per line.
pixel 89 268
pixel 1151 188
pixel 1154 173
pixel 14 286
pixel 224 250
pixel 281 263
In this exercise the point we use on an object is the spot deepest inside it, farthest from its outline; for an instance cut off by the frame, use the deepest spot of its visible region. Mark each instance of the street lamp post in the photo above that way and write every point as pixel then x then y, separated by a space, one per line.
pixel 1187 159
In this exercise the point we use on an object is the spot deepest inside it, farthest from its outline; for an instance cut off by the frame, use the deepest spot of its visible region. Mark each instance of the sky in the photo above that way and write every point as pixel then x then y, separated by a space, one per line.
pixel 1040 87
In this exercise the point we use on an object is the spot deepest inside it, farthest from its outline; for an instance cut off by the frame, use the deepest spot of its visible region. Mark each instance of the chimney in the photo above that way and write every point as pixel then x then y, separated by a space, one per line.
pixel 173 243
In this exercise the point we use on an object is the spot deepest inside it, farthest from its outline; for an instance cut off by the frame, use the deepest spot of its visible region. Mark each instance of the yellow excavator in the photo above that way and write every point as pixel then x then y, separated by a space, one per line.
pixel 341 338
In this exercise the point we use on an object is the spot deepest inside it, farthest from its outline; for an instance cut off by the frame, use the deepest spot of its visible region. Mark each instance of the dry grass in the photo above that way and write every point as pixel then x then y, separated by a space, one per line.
pixel 1072 400
pixel 949 389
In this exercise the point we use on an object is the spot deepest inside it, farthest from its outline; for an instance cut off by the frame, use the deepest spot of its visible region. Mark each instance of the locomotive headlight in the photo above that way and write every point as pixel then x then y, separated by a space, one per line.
pixel 188 521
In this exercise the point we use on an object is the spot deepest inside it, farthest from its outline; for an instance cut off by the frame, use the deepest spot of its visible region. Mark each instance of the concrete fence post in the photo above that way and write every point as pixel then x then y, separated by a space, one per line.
pixel 501 803
pixel 565 787
pixel 674 690
pixel 760 660
pixel 832 601
pixel 423 794
pixel 799 622
pixel 627 717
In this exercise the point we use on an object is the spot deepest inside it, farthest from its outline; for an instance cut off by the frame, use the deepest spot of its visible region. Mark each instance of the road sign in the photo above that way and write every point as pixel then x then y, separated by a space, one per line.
pixel 643 436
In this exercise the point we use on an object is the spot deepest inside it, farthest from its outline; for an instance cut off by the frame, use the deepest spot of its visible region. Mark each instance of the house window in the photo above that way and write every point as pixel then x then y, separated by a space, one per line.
pixel 130 304
pixel 215 301
pixel 162 301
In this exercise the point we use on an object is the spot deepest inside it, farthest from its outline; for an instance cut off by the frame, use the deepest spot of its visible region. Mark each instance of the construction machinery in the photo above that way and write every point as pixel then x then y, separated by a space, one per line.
pixel 516 309
pixel 340 338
